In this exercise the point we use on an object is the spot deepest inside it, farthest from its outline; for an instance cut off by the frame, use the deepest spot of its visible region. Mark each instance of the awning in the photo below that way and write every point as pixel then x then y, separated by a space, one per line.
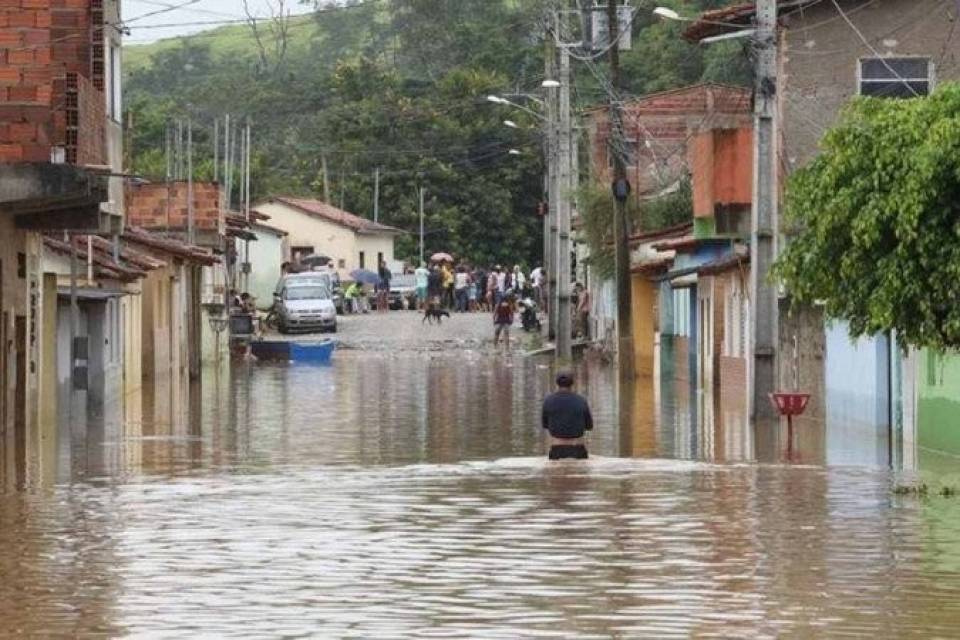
pixel 91 294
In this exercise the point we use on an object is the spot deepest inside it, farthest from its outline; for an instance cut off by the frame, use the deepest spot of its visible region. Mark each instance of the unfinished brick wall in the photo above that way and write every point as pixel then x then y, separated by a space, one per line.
pixel 43 43
pixel 86 116
pixel 163 206
pixel 667 121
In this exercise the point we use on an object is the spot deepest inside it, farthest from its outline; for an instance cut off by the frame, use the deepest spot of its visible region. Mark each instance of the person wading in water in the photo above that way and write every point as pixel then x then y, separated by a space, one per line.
pixel 566 415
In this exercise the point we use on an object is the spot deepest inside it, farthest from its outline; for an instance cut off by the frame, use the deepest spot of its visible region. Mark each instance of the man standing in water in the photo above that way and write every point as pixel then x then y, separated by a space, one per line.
pixel 566 415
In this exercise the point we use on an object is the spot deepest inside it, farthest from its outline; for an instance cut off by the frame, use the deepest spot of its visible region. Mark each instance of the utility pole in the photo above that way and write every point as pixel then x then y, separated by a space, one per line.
pixel 421 224
pixel 621 190
pixel 553 192
pixel 376 195
pixel 326 178
pixel 226 161
pixel 216 149
pixel 246 204
pixel 191 223
pixel 764 314
pixel 564 315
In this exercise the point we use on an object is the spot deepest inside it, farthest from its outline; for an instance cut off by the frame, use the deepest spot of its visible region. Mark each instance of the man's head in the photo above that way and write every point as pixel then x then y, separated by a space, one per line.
pixel 565 379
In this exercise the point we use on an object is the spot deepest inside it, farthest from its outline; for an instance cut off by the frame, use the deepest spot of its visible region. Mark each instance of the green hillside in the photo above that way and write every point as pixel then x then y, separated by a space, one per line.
pixel 227 42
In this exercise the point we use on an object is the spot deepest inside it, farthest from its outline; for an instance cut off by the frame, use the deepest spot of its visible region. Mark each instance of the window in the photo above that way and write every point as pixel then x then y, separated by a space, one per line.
pixel 379 258
pixel 341 264
pixel 895 77
pixel 113 83
pixel 363 260
pixel 681 312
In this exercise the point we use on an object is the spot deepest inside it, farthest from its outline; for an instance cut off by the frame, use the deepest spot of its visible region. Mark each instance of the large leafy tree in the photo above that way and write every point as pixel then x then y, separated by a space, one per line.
pixel 876 220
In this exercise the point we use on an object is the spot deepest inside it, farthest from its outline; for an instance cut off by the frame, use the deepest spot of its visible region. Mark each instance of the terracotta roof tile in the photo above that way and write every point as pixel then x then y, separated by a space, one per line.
pixel 328 212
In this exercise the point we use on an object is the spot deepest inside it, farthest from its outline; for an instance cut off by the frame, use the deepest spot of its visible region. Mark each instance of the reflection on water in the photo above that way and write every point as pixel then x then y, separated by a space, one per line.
pixel 408 496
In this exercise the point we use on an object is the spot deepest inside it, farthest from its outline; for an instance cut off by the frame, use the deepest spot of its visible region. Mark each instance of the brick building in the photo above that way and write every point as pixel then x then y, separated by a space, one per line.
pixel 60 141
pixel 658 129
pixel 164 209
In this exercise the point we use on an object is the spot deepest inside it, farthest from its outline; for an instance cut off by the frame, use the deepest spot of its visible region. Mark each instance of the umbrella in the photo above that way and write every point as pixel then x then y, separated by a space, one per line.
pixel 364 277
pixel 315 261
pixel 441 257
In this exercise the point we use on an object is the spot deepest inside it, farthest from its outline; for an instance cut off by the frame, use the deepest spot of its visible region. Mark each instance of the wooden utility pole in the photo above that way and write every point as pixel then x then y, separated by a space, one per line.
pixel 376 195
pixel 564 313
pixel 621 190
pixel 553 191
pixel 421 194
pixel 764 312
pixel 326 178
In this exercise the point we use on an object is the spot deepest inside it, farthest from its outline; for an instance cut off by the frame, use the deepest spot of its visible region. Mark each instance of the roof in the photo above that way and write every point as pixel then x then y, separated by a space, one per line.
pixel 330 213
pixel 128 254
pixel 103 262
pixel 260 226
pixel 171 247
pixel 687 242
pixel 720 21
pixel 662 234
pixel 723 264
pixel 652 267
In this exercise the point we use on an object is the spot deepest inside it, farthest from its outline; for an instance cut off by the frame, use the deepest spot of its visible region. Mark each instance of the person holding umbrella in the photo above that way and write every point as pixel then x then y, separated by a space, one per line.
pixel 363 278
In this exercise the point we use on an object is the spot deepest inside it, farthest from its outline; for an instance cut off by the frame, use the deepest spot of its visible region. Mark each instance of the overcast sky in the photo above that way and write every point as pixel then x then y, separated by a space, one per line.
pixel 186 17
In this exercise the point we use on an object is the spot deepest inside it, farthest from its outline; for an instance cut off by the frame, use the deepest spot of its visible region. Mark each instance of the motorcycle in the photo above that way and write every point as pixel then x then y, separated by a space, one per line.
pixel 528 315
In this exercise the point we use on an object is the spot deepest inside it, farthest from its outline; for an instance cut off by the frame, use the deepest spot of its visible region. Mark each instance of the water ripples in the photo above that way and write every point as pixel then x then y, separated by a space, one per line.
pixel 282 523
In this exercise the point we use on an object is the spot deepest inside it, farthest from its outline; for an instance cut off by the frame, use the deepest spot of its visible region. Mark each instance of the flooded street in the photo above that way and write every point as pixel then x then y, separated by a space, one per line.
pixel 406 495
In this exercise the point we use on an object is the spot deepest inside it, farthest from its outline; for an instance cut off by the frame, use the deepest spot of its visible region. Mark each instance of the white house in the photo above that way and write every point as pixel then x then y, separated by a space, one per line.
pixel 267 253
pixel 315 227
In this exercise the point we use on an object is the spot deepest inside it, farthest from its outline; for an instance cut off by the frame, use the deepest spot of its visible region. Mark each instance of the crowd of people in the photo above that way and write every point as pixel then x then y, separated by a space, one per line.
pixel 466 289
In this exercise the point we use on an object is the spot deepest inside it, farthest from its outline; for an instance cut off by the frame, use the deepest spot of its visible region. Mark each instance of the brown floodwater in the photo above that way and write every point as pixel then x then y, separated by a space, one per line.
pixel 407 496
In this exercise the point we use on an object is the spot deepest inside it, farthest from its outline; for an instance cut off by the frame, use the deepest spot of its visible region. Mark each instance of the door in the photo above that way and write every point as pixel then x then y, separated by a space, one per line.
pixel 20 402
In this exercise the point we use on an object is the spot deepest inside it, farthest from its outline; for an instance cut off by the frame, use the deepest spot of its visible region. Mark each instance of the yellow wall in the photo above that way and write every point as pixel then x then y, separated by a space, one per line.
pixel 130 315
pixel 48 379
pixel 644 324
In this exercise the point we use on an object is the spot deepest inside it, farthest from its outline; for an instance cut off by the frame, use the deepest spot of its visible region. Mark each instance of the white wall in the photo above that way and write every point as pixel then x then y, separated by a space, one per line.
pixel 371 245
pixel 266 256
pixel 326 238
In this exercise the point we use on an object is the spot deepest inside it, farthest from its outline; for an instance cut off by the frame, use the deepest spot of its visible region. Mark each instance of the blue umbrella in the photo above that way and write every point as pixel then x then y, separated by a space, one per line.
pixel 364 277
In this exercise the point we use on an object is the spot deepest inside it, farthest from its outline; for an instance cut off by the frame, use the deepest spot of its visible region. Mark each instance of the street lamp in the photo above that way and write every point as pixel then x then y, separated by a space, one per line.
pixel 511 124
pixel 515 152
pixel 496 100
pixel 550 84
pixel 669 14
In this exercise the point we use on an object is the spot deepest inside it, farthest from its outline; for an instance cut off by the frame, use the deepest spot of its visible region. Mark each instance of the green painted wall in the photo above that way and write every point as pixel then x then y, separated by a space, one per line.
pixel 704 228
pixel 938 420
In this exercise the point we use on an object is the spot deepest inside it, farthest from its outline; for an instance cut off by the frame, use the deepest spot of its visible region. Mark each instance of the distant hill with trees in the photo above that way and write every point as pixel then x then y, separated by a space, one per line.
pixel 398 85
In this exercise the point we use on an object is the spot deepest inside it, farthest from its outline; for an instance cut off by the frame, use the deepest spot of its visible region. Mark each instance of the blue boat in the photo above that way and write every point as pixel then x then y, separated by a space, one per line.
pixel 289 351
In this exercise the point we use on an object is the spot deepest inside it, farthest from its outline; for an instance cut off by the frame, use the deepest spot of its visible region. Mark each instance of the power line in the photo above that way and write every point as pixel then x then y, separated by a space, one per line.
pixel 166 9
pixel 873 50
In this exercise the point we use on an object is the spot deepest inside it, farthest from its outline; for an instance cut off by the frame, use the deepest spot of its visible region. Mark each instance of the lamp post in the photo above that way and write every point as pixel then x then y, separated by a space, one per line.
pixel 549 121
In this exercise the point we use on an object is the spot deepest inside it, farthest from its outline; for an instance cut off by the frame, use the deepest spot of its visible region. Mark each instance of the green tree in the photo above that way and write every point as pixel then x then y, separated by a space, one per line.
pixel 875 220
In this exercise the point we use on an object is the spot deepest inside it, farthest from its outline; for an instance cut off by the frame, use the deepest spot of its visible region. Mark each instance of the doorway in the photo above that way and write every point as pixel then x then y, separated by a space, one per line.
pixel 20 402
